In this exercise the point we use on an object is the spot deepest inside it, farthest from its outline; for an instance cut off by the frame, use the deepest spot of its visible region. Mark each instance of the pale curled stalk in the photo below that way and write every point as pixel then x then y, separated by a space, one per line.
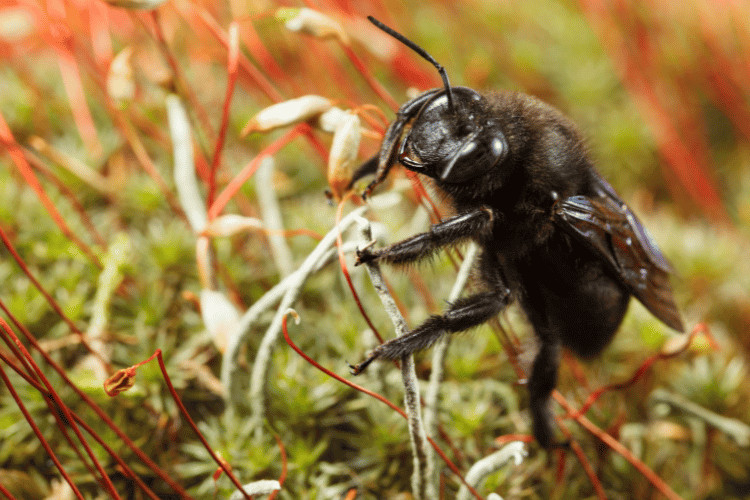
pixel 259 487
pixel 251 317
pixel 440 350
pixel 271 213
pixel 186 184
pixel 287 291
pixel 78 168
pixel 423 486
pixel 261 367
pixel 735 429
pixel 185 179
pixel 119 254
pixel 491 463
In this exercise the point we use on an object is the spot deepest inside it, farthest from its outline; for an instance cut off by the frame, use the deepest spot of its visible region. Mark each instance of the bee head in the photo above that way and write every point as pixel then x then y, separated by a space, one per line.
pixel 442 133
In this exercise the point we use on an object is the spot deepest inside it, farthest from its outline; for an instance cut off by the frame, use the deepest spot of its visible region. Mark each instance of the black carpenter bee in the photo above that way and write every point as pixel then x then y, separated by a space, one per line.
pixel 554 234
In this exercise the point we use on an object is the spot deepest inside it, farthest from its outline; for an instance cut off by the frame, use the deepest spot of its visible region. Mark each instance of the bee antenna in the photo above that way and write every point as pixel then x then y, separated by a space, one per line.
pixel 419 50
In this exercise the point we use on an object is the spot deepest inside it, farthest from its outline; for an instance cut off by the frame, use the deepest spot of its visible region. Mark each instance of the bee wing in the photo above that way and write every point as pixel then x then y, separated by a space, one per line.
pixel 608 227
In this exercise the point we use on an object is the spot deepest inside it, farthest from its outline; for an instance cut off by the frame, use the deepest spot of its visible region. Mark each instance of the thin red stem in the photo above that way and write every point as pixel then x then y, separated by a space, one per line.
pixel 248 170
pixel 92 404
pixel 40 437
pixel 62 38
pixel 258 78
pixel 183 410
pixel 179 77
pixel 135 143
pixel 375 395
pixel 69 194
pixel 595 395
pixel 51 301
pixel 16 154
pixel 232 58
pixel 618 447
pixel 6 492
pixel 284 466
pixel 610 441
pixel 345 270
pixel 689 166
pixel 585 464
pixel 371 81
pixel 62 407
pixel 126 468
pixel 129 473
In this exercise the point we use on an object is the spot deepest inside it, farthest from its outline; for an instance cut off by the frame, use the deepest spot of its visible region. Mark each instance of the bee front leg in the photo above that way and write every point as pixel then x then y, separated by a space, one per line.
pixel 474 224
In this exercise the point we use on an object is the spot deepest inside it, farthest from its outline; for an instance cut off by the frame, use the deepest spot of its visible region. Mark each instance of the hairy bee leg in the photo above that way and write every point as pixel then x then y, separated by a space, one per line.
pixel 541 383
pixel 477 223
pixel 360 367
pixel 463 314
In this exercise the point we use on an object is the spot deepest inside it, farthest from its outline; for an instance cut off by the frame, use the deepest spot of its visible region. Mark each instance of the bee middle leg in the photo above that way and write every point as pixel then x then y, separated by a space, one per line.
pixel 463 314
